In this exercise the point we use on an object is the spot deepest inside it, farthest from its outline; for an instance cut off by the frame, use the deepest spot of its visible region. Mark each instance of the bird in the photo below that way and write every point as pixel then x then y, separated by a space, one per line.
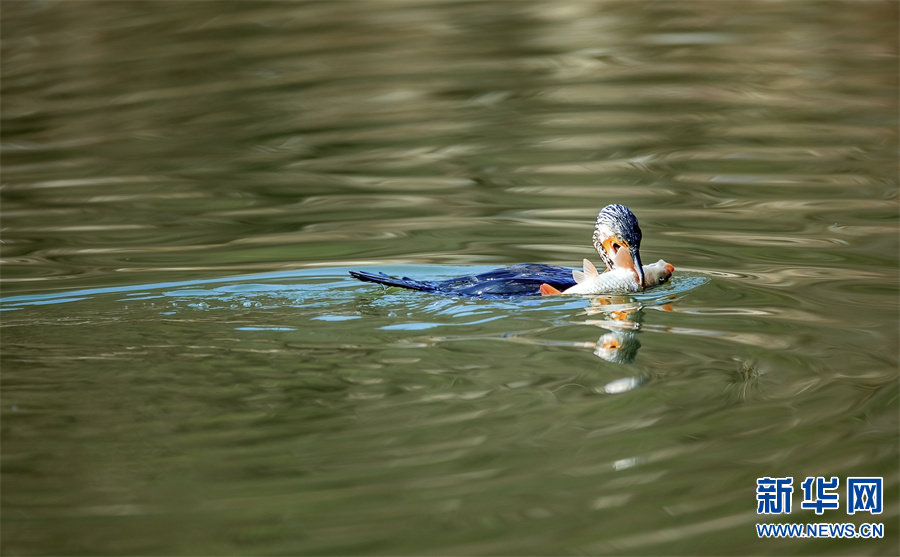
pixel 617 239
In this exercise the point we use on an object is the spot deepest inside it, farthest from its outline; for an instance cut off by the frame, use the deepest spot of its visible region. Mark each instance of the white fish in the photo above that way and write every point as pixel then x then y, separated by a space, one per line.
pixel 616 281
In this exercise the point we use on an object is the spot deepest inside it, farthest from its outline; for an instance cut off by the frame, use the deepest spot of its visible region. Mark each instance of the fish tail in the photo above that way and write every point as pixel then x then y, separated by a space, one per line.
pixel 547 290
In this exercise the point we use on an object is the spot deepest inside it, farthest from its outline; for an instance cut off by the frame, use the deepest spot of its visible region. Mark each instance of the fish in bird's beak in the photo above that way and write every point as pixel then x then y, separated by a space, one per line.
pixel 623 256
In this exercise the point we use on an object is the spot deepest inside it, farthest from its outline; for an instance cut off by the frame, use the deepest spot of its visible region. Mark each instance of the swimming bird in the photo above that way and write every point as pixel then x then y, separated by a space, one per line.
pixel 617 239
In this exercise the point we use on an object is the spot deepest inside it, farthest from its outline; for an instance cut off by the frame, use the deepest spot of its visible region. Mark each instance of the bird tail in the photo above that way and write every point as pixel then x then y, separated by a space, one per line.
pixel 402 282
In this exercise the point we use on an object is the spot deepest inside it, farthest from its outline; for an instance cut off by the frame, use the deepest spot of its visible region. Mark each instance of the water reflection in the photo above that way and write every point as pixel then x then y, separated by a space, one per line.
pixel 618 347
pixel 162 396
pixel 623 320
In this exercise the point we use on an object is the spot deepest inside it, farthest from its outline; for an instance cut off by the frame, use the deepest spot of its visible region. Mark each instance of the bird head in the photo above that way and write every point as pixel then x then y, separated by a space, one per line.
pixel 617 238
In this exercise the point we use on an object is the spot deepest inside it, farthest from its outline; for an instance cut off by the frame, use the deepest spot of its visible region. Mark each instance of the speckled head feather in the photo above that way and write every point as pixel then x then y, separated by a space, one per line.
pixel 616 221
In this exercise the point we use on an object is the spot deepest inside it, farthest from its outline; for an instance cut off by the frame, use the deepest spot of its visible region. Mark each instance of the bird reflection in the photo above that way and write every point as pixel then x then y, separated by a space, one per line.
pixel 618 347
pixel 623 319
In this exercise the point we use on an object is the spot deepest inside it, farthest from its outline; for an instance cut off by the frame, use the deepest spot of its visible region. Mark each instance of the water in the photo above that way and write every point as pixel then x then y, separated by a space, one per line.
pixel 188 369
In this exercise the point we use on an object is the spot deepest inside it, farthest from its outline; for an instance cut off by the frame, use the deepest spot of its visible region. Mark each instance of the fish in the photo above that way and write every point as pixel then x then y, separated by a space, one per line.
pixel 615 281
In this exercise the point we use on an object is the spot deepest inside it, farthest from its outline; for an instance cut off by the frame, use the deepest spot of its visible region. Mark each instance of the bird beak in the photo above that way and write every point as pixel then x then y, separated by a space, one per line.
pixel 638 268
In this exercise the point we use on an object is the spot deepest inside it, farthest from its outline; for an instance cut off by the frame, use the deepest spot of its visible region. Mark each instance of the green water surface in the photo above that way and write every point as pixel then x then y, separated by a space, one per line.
pixel 188 369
